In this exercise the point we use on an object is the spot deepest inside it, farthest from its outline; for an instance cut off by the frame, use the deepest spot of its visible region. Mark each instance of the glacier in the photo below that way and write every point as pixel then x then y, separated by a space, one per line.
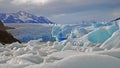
pixel 74 47
pixel 29 31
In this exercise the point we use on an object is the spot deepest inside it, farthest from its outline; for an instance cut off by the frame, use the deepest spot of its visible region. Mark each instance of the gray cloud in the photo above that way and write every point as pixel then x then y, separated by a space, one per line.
pixel 67 9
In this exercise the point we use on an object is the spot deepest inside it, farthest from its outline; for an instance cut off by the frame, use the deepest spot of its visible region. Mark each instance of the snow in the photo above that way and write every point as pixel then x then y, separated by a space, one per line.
pixel 60 55
pixel 24 18
pixel 26 59
pixel 15 45
pixel 113 52
pixel 45 56
pixel 83 61
pixel 12 66
pixel 82 48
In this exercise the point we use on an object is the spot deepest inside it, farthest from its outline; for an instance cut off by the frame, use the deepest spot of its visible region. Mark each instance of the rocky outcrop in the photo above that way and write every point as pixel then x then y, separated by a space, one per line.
pixel 5 37
pixel 2 27
pixel 116 19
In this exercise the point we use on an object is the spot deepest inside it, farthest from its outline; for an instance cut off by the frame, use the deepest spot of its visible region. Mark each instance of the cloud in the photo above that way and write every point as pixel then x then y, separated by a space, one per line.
pixel 32 2
pixel 54 7
pixel 116 13
pixel 59 10
pixel 1 0
pixel 94 15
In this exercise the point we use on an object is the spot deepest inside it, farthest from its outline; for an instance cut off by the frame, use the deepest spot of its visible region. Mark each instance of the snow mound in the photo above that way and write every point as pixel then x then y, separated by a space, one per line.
pixel 112 52
pixel 83 61
pixel 26 59
pixel 60 55
pixel 15 45
pixel 13 66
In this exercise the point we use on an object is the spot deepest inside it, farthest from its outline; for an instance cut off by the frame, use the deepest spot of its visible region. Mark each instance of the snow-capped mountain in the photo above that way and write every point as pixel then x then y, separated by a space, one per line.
pixel 23 17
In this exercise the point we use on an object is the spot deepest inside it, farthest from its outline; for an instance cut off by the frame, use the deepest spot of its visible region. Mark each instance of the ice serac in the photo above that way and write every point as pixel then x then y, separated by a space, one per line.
pixel 77 35
pixel 23 17
pixel 112 42
pixel 78 32
pixel 102 34
pixel 97 25
pixel 63 32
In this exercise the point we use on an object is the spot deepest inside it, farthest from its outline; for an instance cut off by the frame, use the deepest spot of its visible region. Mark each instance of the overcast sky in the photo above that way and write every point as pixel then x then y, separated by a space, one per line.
pixel 66 11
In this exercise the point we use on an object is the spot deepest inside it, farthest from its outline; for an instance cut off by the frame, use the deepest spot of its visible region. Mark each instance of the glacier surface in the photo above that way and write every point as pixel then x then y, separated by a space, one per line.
pixel 82 48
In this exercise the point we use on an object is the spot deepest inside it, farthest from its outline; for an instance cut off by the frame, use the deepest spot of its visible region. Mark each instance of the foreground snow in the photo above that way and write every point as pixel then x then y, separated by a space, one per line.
pixel 83 61
pixel 41 55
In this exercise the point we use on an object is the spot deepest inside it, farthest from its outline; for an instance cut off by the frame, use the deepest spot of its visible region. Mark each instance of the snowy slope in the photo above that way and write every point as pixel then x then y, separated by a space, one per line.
pixel 23 17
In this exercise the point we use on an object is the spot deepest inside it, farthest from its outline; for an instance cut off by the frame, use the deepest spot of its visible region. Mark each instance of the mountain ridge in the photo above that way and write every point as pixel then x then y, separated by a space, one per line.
pixel 23 17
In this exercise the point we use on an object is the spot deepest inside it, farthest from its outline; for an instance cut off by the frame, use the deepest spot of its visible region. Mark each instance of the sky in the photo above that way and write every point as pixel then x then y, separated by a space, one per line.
pixel 66 11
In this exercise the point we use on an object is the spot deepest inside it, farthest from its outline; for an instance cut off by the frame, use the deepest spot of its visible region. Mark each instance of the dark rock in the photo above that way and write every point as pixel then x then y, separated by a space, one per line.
pixel 2 27
pixel 5 37
pixel 115 19
pixel 7 27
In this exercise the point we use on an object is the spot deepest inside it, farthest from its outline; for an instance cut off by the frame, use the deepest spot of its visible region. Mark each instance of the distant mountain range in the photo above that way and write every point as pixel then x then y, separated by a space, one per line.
pixel 23 17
